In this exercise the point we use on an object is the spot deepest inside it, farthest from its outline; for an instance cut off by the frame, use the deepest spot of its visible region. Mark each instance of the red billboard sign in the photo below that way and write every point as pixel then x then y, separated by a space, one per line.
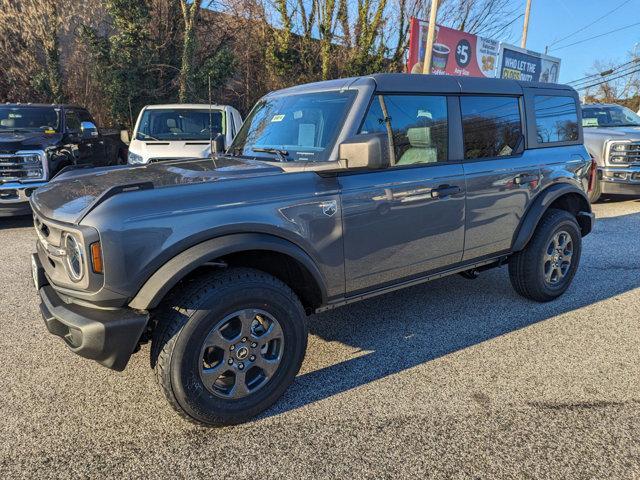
pixel 454 52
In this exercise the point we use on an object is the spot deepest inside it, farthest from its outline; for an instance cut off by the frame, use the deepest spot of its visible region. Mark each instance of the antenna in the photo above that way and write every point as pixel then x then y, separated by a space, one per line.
pixel 211 126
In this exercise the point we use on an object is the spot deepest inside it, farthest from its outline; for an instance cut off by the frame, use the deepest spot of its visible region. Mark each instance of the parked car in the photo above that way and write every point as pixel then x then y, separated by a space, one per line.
pixel 167 132
pixel 37 141
pixel 612 136
pixel 331 193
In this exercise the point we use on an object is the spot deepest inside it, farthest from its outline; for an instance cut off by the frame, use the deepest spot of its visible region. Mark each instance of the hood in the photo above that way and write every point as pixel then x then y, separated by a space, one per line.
pixel 71 195
pixel 12 142
pixel 622 133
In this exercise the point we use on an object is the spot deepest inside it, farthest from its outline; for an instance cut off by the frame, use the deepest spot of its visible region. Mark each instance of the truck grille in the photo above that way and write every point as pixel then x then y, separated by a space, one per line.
pixel 624 153
pixel 19 167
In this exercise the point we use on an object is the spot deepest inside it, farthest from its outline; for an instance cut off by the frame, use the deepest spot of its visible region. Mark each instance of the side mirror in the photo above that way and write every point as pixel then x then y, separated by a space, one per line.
pixel 88 130
pixel 124 137
pixel 365 151
pixel 217 144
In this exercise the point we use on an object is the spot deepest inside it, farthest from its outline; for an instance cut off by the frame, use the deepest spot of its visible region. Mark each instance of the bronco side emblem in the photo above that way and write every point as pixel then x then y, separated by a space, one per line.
pixel 329 208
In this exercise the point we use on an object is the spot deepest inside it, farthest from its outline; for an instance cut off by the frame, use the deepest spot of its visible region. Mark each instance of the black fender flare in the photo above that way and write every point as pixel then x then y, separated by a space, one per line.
pixel 541 204
pixel 167 276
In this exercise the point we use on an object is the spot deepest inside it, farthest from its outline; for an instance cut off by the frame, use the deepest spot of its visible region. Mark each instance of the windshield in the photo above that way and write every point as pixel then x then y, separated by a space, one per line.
pixel 609 116
pixel 31 119
pixel 179 124
pixel 299 127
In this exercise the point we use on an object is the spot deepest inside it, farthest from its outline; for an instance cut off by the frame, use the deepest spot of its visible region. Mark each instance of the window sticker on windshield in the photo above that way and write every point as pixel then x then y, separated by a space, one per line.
pixel 589 122
pixel 297 115
pixel 425 113
pixel 277 118
pixel 15 115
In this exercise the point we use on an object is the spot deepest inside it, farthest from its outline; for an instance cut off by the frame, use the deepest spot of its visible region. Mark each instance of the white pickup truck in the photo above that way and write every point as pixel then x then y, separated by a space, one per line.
pixel 165 132
pixel 612 137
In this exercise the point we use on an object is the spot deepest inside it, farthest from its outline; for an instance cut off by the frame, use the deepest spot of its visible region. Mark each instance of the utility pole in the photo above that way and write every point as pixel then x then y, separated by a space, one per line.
pixel 433 15
pixel 525 28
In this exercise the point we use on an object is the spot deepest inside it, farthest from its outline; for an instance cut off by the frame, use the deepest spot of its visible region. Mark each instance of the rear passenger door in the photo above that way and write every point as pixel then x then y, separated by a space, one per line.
pixel 500 180
pixel 407 219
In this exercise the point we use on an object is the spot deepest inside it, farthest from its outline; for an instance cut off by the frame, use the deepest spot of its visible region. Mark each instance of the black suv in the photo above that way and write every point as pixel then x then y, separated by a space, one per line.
pixel 331 193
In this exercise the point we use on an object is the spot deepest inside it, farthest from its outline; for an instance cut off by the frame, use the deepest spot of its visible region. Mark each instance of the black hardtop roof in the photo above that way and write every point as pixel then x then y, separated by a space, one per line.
pixel 417 82
pixel 414 83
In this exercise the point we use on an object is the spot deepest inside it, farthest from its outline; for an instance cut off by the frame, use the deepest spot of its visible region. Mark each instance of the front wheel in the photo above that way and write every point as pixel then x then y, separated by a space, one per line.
pixel 227 345
pixel 545 268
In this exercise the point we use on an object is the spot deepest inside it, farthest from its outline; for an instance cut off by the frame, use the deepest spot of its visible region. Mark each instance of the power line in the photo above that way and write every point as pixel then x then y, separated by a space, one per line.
pixel 608 80
pixel 603 73
pixel 606 73
pixel 596 36
pixel 592 23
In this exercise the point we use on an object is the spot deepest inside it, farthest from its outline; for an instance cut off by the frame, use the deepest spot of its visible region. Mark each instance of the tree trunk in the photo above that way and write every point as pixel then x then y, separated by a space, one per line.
pixel 189 14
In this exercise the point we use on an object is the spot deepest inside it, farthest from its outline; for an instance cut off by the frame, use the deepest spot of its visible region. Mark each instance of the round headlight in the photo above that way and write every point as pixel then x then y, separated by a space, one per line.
pixel 74 258
pixel 619 147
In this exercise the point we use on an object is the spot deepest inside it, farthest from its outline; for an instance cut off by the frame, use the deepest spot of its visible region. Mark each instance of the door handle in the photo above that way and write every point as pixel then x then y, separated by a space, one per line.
pixel 445 191
pixel 525 178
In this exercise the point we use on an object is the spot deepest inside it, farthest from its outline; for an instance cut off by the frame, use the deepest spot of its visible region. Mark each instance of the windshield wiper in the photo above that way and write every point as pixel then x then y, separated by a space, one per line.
pixel 147 136
pixel 278 152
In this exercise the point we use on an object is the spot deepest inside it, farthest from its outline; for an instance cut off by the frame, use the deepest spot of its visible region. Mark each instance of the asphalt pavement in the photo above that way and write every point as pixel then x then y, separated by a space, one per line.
pixel 452 379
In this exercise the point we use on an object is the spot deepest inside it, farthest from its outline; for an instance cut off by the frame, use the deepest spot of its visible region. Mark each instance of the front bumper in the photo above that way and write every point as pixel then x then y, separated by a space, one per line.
pixel 620 181
pixel 107 336
pixel 14 198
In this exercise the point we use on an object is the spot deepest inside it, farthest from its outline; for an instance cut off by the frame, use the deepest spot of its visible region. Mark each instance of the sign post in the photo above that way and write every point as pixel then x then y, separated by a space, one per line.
pixel 426 65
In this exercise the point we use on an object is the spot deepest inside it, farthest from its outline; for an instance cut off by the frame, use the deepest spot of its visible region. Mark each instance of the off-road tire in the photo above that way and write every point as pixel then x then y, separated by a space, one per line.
pixel 526 268
pixel 186 316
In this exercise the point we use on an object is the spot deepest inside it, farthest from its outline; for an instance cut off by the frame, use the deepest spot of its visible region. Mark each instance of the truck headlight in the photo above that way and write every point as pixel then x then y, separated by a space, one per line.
pixel 34 164
pixel 74 257
pixel 134 158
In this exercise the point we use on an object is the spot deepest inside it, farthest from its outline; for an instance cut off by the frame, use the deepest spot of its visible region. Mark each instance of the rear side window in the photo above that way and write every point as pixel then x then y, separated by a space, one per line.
pixel 491 126
pixel 418 124
pixel 556 119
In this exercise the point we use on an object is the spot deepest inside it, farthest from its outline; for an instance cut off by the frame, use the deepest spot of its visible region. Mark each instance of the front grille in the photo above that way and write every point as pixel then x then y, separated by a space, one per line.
pixel 624 152
pixel 15 167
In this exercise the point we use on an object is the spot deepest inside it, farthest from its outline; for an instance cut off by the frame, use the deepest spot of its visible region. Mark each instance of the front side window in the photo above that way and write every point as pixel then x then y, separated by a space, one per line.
pixel 556 118
pixel 29 119
pixel 72 123
pixel 180 124
pixel 296 127
pixel 609 116
pixel 418 124
pixel 491 126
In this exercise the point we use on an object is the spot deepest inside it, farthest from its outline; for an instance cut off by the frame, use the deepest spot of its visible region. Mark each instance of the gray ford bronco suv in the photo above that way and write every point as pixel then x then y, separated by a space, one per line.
pixel 331 193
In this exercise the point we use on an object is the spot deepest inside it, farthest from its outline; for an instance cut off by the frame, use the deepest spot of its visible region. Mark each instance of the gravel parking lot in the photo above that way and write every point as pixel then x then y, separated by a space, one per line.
pixel 452 379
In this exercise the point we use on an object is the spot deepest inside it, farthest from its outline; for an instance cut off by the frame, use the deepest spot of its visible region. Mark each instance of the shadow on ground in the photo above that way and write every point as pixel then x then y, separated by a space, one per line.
pixel 403 329
pixel 16 222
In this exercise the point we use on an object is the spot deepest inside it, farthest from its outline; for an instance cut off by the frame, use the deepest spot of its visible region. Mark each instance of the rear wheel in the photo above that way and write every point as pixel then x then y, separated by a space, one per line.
pixel 227 345
pixel 545 268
